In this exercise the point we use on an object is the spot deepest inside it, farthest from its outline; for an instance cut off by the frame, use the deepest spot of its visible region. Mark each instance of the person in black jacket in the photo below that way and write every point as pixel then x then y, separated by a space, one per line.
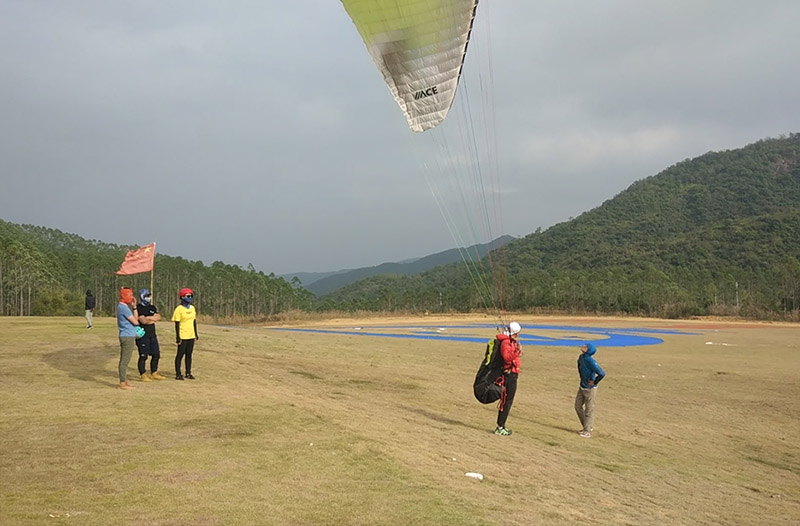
pixel 148 344
pixel 89 305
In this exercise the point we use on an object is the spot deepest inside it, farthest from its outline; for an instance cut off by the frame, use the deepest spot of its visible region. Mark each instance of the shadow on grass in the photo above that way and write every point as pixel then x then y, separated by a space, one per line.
pixel 94 364
pixel 306 374
pixel 441 418
pixel 569 429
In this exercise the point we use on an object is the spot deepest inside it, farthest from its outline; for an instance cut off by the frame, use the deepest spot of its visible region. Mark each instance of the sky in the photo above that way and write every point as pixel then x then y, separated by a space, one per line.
pixel 260 132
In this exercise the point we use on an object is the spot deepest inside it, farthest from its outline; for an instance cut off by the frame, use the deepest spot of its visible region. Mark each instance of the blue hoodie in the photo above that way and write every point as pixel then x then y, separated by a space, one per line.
pixel 588 368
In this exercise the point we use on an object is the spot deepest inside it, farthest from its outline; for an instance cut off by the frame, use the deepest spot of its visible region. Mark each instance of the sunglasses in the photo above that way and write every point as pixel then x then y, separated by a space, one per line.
pixel 188 296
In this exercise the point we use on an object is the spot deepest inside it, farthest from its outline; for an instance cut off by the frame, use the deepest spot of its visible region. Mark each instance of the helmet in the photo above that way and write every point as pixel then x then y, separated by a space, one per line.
pixel 185 292
pixel 514 328
pixel 143 293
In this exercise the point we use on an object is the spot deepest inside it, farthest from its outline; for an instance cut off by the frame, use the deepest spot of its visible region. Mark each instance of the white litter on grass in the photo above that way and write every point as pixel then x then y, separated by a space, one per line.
pixel 476 476
pixel 723 344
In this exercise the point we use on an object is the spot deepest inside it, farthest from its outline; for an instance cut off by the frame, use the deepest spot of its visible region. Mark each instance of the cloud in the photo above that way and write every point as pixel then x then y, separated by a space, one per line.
pixel 268 131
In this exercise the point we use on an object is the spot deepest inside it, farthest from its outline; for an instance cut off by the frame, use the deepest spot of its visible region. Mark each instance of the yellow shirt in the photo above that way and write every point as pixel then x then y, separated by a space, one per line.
pixel 185 317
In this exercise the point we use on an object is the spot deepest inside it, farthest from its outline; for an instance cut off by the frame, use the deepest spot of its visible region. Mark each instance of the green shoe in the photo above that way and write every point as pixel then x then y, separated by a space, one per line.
pixel 502 431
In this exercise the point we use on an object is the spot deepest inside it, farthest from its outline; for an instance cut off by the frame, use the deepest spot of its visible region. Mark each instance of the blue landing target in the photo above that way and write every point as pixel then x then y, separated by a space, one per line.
pixel 541 335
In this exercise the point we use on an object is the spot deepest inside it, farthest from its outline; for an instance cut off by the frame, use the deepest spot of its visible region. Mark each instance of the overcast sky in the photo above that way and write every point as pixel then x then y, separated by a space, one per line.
pixel 261 132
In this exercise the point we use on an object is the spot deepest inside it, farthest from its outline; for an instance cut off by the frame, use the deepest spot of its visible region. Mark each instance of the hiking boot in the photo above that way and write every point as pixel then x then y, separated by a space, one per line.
pixel 189 376
pixel 502 431
pixel 145 378
pixel 155 376
pixel 124 385
pixel 585 434
pixel 178 376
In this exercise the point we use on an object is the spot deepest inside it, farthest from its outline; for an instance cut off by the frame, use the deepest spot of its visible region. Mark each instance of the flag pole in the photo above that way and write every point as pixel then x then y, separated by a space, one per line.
pixel 152 268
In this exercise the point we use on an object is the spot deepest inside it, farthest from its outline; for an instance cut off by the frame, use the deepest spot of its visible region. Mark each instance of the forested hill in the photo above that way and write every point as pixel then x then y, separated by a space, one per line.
pixel 46 272
pixel 689 212
pixel 714 234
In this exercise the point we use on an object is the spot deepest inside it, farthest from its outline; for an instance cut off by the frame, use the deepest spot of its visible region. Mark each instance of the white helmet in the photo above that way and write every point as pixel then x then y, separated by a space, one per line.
pixel 514 328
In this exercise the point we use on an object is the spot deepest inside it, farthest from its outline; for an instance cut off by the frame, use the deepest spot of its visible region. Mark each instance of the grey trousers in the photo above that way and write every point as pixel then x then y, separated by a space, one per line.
pixel 126 348
pixel 584 406
pixel 89 318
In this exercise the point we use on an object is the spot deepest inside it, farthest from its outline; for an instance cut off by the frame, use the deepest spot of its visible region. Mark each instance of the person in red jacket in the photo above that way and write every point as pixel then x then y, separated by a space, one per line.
pixel 510 351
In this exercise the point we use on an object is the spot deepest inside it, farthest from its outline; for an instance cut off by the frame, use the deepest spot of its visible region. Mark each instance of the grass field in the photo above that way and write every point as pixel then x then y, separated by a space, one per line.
pixel 315 428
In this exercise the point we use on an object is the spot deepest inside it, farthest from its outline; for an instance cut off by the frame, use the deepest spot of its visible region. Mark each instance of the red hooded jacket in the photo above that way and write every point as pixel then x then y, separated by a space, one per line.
pixel 510 351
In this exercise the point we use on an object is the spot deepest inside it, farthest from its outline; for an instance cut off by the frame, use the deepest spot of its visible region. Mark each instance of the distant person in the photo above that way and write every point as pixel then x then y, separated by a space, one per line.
pixel 89 305
pixel 185 318
pixel 127 321
pixel 591 374
pixel 510 351
pixel 148 344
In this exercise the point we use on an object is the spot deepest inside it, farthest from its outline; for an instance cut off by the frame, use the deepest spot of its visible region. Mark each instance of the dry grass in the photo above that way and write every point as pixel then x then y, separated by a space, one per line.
pixel 297 428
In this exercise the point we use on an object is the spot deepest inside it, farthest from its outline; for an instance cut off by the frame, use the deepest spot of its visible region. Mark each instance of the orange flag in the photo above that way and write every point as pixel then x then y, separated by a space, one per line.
pixel 140 260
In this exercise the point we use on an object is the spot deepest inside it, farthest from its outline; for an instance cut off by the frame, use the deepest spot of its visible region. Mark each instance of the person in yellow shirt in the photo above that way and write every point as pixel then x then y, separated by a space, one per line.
pixel 185 318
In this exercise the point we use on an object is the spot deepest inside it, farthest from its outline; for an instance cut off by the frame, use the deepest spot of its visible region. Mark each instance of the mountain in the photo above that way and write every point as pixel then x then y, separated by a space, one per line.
pixel 335 280
pixel 698 212
pixel 710 234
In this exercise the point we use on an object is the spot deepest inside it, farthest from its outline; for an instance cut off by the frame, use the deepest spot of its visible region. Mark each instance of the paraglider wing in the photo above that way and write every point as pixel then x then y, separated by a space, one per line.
pixel 419 47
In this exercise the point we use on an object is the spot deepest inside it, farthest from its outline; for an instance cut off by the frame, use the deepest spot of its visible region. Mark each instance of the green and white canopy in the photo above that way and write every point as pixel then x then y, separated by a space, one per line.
pixel 419 47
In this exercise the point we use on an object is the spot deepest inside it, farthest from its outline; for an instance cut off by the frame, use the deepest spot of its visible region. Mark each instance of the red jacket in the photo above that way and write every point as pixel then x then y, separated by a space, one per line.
pixel 510 351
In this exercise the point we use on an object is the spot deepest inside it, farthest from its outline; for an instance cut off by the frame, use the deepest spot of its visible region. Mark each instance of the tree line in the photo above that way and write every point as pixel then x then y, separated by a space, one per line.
pixel 47 272
pixel 645 291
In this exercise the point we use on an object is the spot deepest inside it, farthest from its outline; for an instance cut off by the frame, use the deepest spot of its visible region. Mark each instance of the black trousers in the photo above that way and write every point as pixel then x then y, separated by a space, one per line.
pixel 143 362
pixel 185 348
pixel 148 346
pixel 510 380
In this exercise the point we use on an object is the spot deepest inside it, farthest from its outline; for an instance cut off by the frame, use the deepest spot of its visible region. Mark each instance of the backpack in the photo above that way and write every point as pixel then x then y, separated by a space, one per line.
pixel 488 386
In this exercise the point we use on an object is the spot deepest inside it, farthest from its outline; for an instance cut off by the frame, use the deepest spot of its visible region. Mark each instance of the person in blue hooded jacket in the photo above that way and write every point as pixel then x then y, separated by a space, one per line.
pixel 591 374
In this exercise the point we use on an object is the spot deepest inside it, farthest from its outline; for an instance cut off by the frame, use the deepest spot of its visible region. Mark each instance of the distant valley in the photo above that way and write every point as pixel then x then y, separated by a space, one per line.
pixel 321 283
